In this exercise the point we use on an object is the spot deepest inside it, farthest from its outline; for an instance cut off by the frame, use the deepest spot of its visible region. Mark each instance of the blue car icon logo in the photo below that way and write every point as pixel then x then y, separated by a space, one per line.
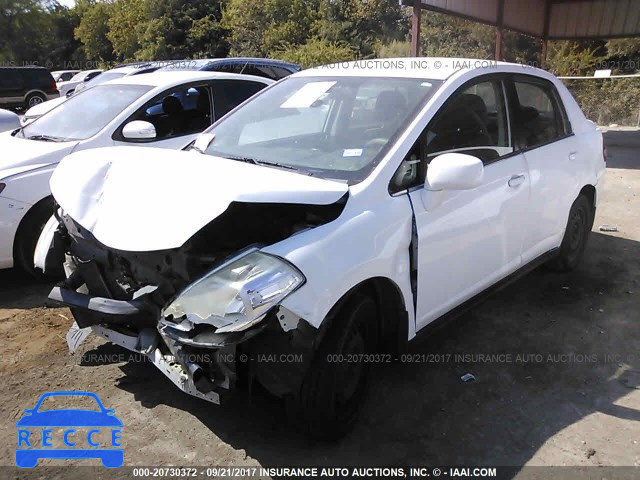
pixel 32 447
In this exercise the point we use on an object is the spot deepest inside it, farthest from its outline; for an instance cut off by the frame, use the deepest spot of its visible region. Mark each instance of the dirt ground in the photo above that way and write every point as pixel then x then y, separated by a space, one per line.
pixel 566 390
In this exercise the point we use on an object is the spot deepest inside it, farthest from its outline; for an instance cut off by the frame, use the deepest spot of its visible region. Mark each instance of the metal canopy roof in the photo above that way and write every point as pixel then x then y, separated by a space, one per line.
pixel 544 19
pixel 548 19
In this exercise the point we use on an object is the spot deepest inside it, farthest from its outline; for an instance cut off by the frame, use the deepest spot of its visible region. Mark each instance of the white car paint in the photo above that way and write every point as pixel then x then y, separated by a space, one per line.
pixel 475 226
pixel 58 73
pixel 8 120
pixel 84 177
pixel 40 109
pixel 66 87
pixel 31 184
pixel 455 230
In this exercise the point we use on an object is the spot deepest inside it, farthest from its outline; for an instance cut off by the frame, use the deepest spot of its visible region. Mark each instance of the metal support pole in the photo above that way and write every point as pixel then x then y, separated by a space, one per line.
pixel 415 28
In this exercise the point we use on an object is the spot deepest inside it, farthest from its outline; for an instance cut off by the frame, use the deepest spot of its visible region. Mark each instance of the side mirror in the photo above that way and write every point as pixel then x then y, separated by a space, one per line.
pixel 139 130
pixel 454 171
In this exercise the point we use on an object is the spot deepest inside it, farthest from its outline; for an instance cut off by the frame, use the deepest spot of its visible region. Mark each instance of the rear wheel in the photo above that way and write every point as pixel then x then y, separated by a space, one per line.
pixel 332 391
pixel 576 236
pixel 34 99
pixel 28 234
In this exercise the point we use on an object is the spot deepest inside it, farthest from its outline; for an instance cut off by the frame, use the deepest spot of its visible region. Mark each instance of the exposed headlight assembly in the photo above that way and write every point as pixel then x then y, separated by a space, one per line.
pixel 237 294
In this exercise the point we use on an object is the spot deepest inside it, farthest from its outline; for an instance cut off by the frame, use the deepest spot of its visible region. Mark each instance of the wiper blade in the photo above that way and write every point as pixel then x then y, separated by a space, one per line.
pixel 276 164
pixel 259 162
pixel 242 159
pixel 45 138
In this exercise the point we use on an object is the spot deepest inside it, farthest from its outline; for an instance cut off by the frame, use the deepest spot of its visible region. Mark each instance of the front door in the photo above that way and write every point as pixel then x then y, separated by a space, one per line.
pixel 469 239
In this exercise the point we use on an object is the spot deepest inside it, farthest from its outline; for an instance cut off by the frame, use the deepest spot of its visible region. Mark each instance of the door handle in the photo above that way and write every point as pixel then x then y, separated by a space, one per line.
pixel 573 155
pixel 516 180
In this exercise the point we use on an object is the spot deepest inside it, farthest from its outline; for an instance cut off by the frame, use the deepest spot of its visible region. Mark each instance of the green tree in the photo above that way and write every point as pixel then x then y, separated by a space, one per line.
pixel 182 29
pixel 363 24
pixel 93 30
pixel 126 22
pixel 448 36
pixel 260 27
pixel 317 52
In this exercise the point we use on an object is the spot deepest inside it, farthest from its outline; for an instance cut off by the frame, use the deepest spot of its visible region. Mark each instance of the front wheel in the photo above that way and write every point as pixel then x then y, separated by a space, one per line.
pixel 335 384
pixel 575 237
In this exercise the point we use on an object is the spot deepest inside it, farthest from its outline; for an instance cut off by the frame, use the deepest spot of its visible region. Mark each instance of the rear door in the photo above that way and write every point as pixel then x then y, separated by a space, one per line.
pixel 543 133
pixel 468 239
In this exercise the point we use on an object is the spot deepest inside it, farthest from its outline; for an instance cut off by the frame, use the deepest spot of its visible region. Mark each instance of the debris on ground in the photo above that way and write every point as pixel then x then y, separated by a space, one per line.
pixel 590 453
pixel 608 228
pixel 468 377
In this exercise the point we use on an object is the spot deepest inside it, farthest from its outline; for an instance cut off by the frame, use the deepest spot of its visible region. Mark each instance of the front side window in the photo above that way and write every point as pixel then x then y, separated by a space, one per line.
pixel 332 127
pixel 85 114
pixel 538 118
pixel 181 112
pixel 474 122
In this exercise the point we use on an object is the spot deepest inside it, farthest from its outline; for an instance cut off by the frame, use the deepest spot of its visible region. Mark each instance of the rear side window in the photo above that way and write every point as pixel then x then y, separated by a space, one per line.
pixel 9 78
pixel 228 94
pixel 42 79
pixel 538 116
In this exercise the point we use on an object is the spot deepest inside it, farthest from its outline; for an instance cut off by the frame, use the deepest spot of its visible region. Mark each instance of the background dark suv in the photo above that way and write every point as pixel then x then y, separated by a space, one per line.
pixel 25 87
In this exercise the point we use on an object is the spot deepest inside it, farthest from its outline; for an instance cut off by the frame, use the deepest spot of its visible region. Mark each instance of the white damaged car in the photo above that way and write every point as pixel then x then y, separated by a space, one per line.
pixel 319 227
pixel 164 110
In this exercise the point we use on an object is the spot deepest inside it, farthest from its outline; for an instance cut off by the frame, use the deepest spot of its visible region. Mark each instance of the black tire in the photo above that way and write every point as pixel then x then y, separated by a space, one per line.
pixel 576 236
pixel 27 236
pixel 34 99
pixel 333 389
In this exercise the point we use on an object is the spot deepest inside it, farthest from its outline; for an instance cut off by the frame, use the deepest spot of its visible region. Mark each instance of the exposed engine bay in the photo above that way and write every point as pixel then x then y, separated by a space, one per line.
pixel 133 298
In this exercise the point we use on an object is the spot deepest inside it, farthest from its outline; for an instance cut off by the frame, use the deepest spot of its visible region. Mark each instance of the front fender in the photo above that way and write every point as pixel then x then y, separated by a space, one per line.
pixel 27 184
pixel 363 243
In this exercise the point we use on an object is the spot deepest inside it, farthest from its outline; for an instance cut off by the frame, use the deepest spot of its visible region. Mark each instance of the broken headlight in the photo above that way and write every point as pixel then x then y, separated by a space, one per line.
pixel 237 294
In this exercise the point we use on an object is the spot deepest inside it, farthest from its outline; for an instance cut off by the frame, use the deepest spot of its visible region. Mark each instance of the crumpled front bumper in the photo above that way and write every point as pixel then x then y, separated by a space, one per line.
pixel 202 364
pixel 145 344
pixel 207 372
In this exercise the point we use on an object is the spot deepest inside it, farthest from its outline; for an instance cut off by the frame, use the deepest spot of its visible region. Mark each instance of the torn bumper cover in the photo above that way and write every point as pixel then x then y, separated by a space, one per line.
pixel 229 319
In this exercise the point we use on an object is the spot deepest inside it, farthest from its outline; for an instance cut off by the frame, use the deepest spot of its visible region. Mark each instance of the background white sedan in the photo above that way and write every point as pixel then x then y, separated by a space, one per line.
pixel 164 110
pixel 77 79
pixel 113 74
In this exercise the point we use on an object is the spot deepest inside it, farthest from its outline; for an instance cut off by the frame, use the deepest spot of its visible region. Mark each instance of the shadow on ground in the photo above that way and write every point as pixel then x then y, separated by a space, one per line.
pixel 577 345
pixel 17 290
pixel 622 148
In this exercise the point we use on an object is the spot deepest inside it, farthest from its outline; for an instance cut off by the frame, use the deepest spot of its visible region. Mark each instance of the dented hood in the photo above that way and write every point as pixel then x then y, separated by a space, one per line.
pixel 145 199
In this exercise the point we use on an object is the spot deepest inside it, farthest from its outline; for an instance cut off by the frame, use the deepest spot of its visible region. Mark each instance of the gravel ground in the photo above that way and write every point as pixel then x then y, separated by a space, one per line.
pixel 565 391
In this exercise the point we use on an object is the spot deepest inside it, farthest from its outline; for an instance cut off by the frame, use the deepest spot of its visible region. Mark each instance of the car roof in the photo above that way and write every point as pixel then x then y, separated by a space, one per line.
pixel 434 68
pixel 177 77
pixel 205 62
pixel 86 72
pixel 266 61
